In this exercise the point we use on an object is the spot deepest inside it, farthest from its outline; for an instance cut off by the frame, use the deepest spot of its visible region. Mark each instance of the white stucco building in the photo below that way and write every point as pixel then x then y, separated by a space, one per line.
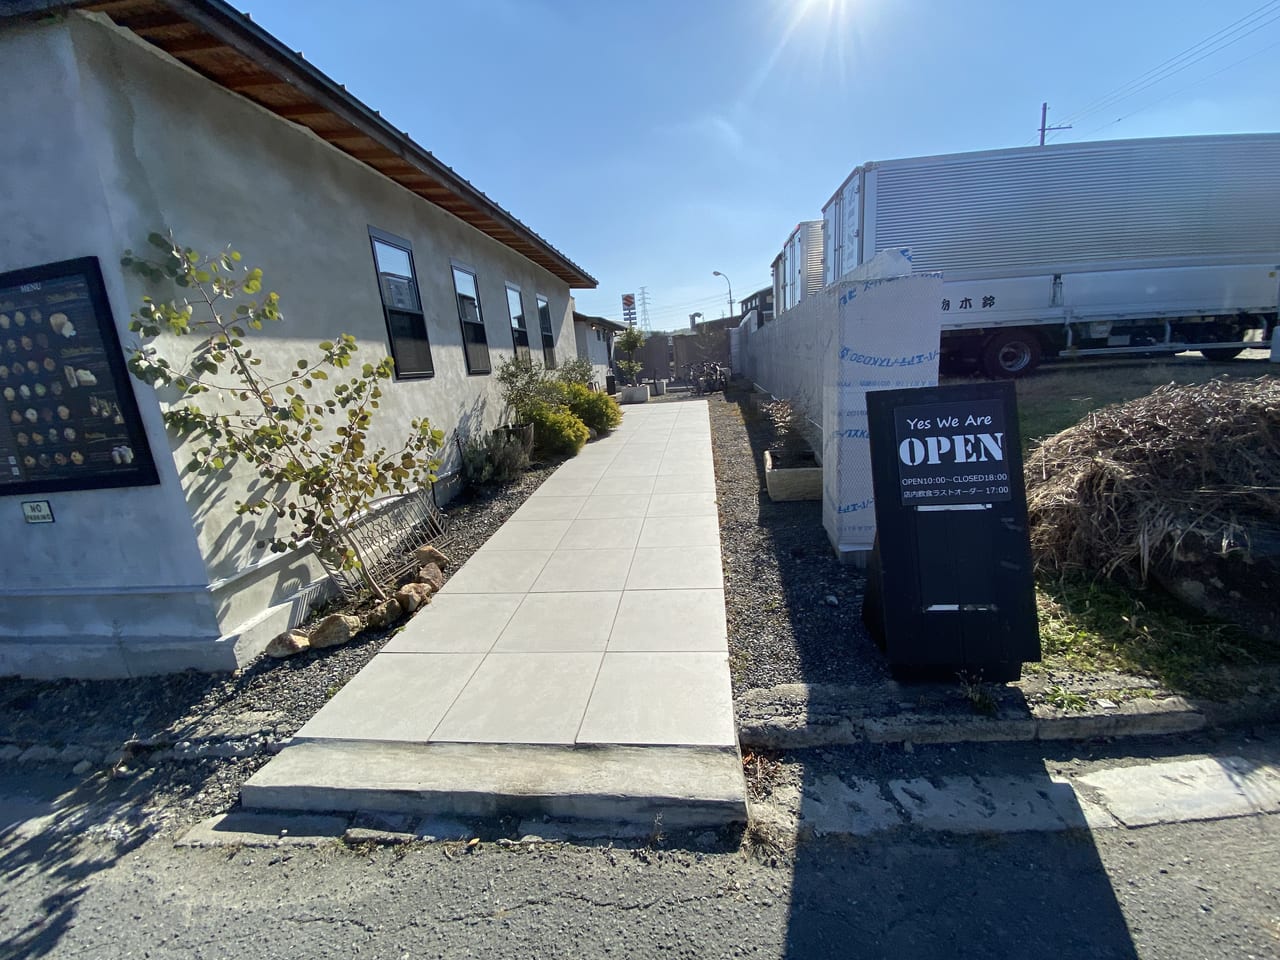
pixel 124 118
pixel 594 338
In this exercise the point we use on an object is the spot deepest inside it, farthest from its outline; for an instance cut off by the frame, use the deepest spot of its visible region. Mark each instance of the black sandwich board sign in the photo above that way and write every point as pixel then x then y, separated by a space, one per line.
pixel 950 587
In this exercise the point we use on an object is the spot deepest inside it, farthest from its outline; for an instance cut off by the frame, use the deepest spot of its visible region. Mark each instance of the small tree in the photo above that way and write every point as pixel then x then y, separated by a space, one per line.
pixel 307 440
pixel 629 341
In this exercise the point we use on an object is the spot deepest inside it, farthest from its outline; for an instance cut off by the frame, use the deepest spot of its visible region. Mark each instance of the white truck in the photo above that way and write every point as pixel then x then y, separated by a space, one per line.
pixel 1146 247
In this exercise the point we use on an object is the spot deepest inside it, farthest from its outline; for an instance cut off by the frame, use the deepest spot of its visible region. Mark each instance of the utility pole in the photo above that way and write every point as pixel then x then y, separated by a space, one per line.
pixel 643 301
pixel 1044 116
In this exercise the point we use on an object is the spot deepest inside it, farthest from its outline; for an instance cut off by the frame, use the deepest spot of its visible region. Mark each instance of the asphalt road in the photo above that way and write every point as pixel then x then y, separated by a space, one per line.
pixel 94 883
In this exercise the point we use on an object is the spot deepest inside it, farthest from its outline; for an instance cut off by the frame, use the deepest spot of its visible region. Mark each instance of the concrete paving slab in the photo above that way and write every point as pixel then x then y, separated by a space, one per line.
pixel 549 508
pixel 829 805
pixel 389 700
pixel 243 829
pixel 567 486
pixel 688 786
pixel 576 570
pixel 676 568
pixel 551 622
pixel 685 483
pixel 611 533
pixel 498 571
pixel 990 804
pixel 456 623
pixel 522 698
pixel 626 466
pixel 527 535
pixel 625 487
pixel 682 505
pixel 1174 792
pixel 680 532
pixel 670 620
pixel 661 698
pixel 605 507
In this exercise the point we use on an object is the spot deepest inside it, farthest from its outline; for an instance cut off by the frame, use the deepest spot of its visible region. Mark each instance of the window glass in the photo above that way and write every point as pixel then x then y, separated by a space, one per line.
pixel 548 334
pixel 401 305
pixel 519 331
pixel 475 342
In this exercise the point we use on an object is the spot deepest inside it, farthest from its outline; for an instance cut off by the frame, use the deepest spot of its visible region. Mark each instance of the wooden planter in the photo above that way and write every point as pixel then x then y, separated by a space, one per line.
pixel 802 481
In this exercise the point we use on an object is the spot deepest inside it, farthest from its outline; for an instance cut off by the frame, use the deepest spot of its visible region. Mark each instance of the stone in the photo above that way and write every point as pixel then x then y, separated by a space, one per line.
pixel 430 554
pixel 432 575
pixel 334 630
pixel 83 767
pixel 386 613
pixel 413 595
pixel 288 643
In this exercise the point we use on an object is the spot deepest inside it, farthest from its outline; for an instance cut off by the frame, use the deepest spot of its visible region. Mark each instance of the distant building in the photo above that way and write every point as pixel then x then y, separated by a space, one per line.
pixel 594 339
pixel 762 302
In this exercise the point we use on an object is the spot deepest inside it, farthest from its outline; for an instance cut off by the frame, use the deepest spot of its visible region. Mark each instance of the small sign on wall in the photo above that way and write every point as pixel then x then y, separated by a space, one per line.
pixel 37 511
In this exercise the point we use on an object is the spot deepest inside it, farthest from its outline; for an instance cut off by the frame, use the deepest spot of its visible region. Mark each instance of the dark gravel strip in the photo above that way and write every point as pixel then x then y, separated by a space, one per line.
pixel 780 571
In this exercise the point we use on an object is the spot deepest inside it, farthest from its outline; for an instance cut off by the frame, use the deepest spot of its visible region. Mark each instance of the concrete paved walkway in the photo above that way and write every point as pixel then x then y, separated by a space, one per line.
pixel 584 645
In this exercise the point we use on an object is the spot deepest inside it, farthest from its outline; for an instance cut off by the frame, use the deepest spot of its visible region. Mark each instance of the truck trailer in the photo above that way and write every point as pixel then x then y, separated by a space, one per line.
pixel 1146 247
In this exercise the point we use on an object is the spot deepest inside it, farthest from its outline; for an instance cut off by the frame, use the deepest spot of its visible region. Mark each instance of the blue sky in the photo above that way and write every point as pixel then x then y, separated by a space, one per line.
pixel 654 142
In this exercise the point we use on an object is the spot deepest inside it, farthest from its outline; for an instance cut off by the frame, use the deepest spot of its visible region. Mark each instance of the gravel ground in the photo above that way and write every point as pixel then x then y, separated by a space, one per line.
pixel 780 572
pixel 265 702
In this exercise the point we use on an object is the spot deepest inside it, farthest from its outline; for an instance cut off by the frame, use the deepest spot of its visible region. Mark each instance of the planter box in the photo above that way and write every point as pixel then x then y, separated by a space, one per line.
pixel 792 482
pixel 638 394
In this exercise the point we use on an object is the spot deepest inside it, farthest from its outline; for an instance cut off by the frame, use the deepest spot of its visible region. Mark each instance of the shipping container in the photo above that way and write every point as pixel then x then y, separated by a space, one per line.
pixel 797 270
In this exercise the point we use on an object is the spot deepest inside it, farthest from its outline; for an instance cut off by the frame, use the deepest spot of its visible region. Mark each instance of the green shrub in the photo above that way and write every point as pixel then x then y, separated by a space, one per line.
pixel 599 411
pixel 556 430
pixel 498 456
pixel 521 381
pixel 576 370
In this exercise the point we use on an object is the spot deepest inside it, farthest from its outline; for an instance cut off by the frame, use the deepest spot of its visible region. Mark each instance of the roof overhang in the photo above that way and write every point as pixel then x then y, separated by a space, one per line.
pixel 218 42
pixel 604 322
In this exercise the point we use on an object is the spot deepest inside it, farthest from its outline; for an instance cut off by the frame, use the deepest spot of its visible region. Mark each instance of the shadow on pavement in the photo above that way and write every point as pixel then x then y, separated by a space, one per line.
pixel 922 890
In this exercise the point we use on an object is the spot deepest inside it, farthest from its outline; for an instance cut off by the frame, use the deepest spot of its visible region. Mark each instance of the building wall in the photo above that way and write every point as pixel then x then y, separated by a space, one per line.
pixel 593 346
pixel 176 152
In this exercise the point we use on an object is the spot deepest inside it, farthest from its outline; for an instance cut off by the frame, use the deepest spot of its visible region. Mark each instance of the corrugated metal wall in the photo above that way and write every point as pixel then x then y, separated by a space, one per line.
pixel 1089 202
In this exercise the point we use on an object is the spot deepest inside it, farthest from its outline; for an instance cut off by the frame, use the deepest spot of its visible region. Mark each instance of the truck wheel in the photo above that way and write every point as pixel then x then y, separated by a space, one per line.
pixel 1221 354
pixel 1010 353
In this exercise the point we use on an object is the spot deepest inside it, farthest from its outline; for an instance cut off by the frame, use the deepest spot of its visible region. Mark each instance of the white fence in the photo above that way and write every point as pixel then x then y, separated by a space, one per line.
pixel 879 330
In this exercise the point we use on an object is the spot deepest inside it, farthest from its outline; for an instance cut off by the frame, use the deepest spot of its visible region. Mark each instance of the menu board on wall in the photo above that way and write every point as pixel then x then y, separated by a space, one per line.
pixel 68 418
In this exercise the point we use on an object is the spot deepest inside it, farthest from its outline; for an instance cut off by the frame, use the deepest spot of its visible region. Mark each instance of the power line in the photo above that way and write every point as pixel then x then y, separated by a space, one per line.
pixel 1214 43
pixel 1235 63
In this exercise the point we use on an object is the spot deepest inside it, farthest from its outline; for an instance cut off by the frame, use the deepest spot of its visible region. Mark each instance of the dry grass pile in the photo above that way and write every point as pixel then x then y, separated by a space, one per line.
pixel 1166 477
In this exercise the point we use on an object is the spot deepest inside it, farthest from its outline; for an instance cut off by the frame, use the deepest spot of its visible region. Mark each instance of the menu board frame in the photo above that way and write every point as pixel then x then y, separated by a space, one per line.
pixel 140 469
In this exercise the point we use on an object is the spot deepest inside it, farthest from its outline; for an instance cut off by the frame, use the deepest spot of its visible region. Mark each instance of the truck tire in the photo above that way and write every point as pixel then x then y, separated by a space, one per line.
pixel 1010 353
pixel 1221 354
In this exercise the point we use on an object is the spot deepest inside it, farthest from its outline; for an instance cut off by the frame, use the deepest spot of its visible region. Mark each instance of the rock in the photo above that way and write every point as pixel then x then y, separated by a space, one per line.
pixel 386 613
pixel 414 595
pixel 431 574
pixel 430 554
pixel 288 643
pixel 592 433
pixel 334 630
pixel 83 767
pixel 831 600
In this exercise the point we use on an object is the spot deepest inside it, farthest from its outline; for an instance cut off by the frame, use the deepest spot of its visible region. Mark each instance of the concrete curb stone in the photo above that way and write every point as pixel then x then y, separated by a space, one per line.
pixel 797 716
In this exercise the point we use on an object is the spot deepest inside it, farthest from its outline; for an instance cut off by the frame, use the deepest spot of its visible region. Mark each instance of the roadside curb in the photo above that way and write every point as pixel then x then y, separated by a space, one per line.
pixel 798 716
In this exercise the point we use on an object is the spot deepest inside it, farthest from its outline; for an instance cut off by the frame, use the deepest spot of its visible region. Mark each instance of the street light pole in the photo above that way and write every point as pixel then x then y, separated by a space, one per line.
pixel 717 273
